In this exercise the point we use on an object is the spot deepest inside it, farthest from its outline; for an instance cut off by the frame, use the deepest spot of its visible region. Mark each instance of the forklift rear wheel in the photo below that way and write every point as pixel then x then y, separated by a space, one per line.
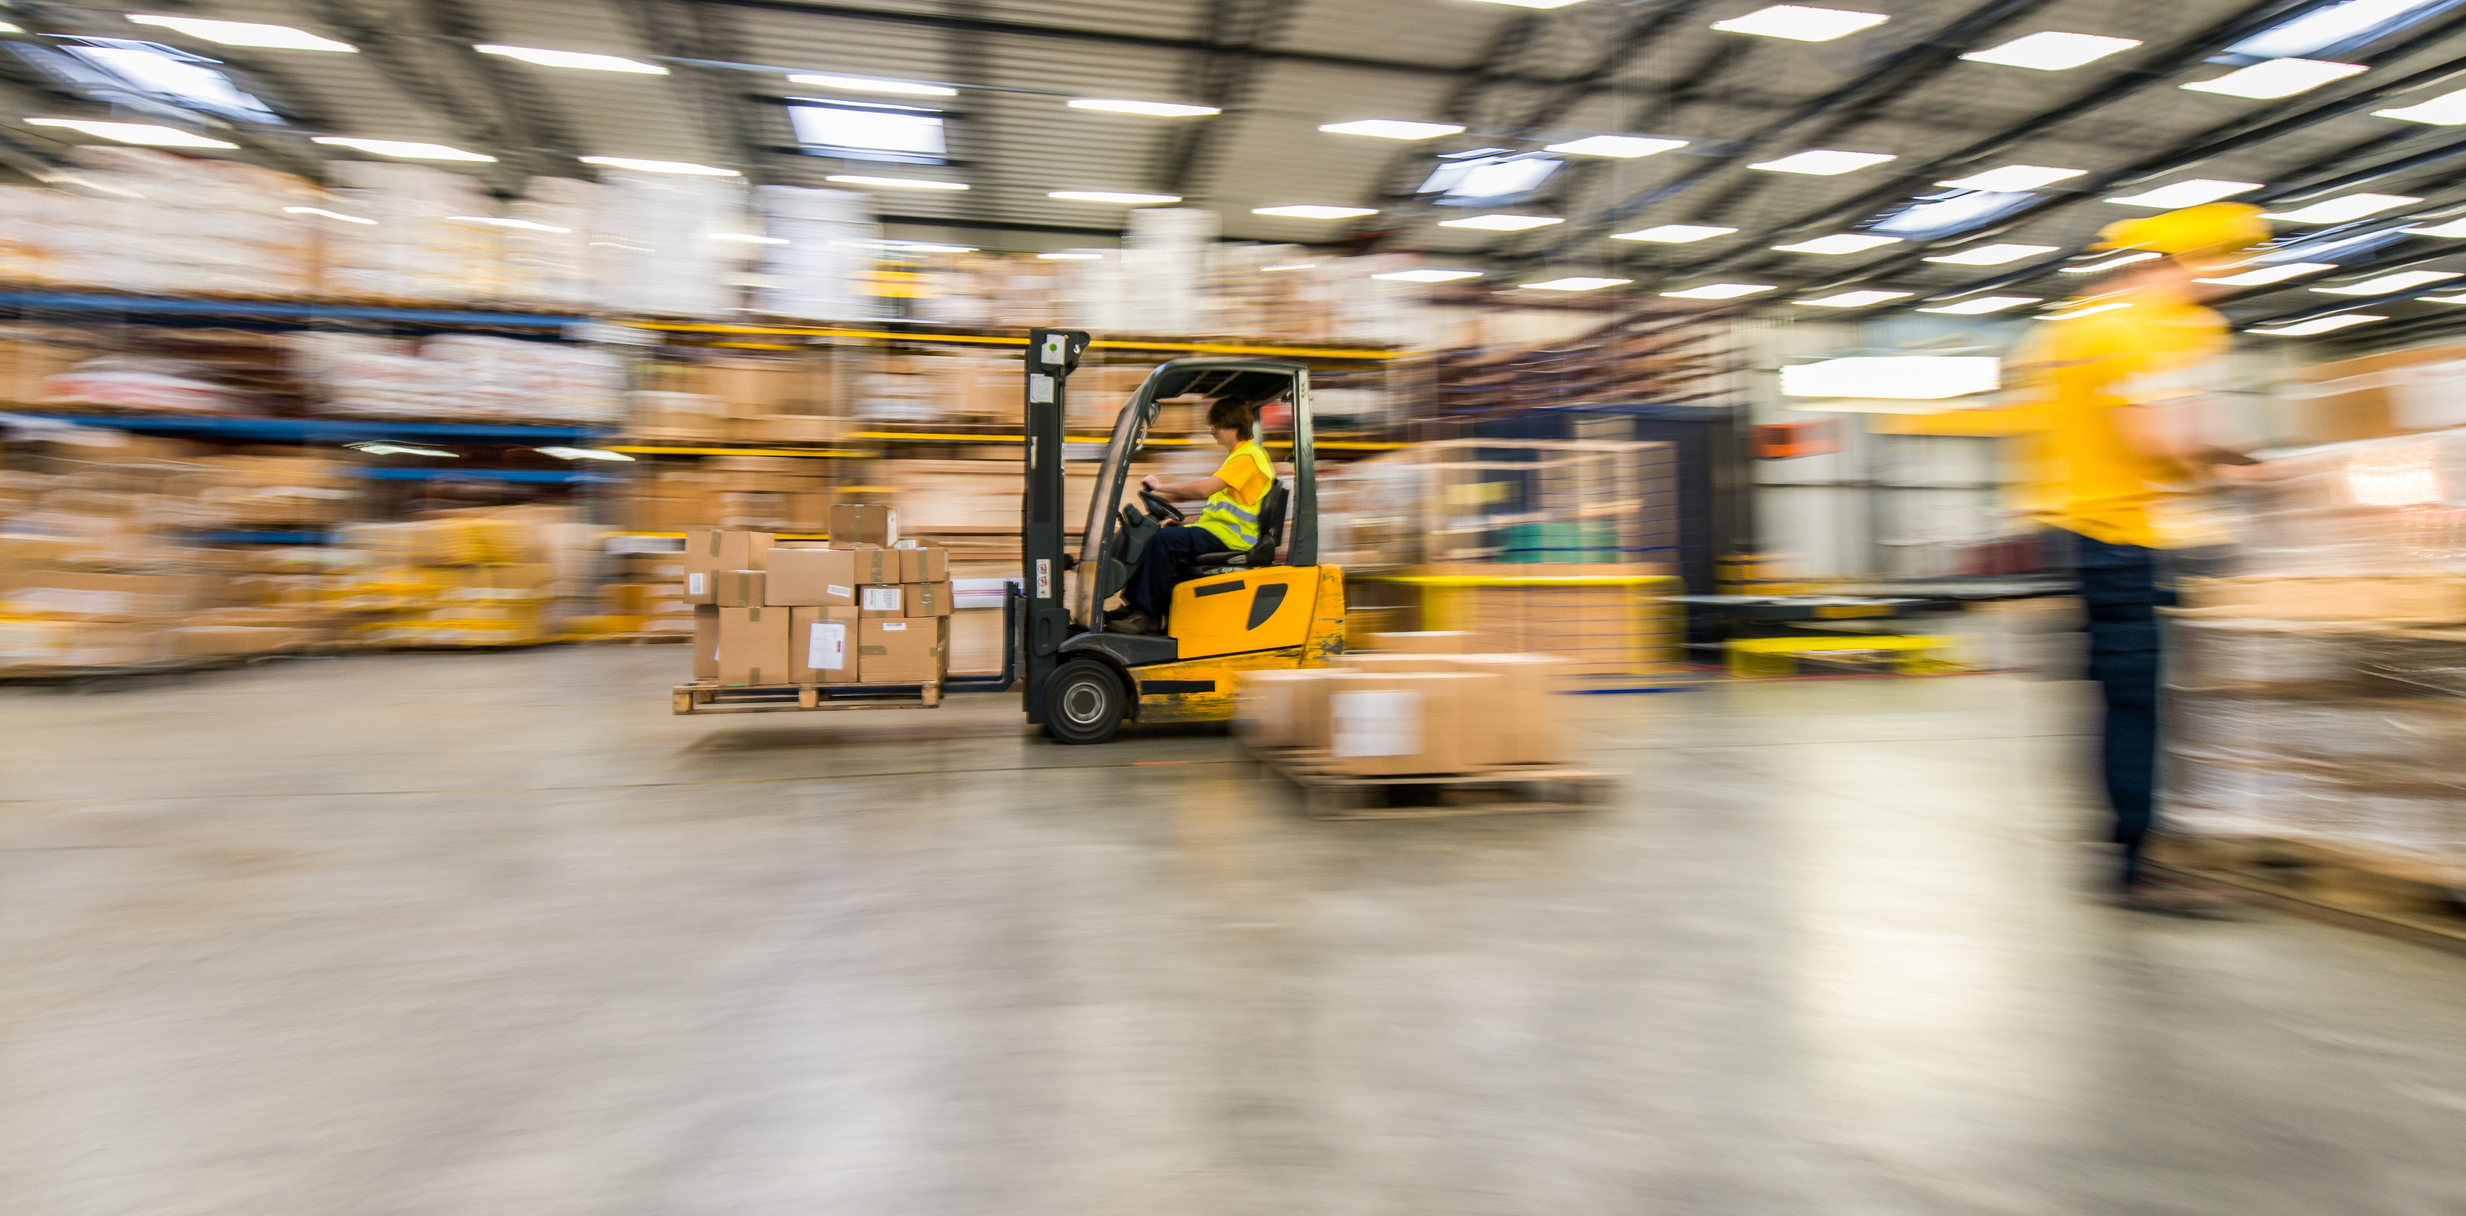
pixel 1083 702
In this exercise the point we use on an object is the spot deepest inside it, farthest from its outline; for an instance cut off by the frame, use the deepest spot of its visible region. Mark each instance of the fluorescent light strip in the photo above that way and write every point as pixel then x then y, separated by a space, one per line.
pixel 1429 275
pixel 2386 284
pixel 1070 257
pixel 2452 230
pixel 331 215
pixel 2186 193
pixel 2340 210
pixel 893 183
pixel 743 238
pixel 1153 109
pixel 1719 291
pixel 1801 23
pixel 1309 212
pixel 1503 223
pixel 403 149
pixel 244 33
pixel 1855 299
pixel 1111 196
pixel 2012 178
pixel 2446 110
pixel 682 167
pixel 578 60
pixel 1576 283
pixel 2091 310
pixel 1622 146
pixel 2107 264
pixel 1391 128
pixel 2319 325
pixel 145 134
pixel 873 84
pixel 2271 274
pixel 2275 78
pixel 1673 234
pixel 1840 243
pixel 1993 255
pixel 2052 50
pixel 1984 304
pixel 502 222
pixel 1823 162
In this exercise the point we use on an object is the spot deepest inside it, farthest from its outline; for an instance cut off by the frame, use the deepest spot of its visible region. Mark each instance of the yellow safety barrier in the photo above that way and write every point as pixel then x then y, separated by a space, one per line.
pixel 1914 655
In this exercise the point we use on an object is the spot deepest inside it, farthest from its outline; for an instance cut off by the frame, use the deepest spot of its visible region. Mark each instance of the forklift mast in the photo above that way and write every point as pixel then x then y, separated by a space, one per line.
pixel 1052 355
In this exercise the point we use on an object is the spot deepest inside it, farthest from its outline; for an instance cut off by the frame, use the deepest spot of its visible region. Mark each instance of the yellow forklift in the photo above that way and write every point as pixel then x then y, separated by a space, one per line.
pixel 1271 608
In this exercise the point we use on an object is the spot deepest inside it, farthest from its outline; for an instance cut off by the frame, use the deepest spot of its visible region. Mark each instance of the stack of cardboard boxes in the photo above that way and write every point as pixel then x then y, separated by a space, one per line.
pixel 462 579
pixel 1418 703
pixel 866 608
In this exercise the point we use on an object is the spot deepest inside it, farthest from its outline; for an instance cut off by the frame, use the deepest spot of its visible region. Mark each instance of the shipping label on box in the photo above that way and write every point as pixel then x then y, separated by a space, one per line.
pixel 927 599
pixel 882 601
pixel 826 645
pixel 1441 727
pixel 709 549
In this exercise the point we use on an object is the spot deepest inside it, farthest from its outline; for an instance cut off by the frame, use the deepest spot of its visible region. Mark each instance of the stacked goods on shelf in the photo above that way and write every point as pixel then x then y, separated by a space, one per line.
pixel 466 376
pixel 154 222
pixel 2315 700
pixel 1414 704
pixel 785 398
pixel 424 238
pixel 1663 354
pixel 866 608
pixel 97 571
pixel 989 289
pixel 2395 393
pixel 547 236
pixel 823 255
pixel 484 577
pixel 648 598
pixel 659 237
pixel 765 493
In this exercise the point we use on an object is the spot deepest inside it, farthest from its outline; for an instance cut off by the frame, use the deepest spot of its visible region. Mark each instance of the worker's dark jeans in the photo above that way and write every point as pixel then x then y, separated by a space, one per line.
pixel 1151 581
pixel 2121 597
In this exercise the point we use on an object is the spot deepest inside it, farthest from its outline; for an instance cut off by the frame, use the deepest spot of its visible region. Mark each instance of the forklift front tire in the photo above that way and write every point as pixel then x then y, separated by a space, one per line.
pixel 1084 701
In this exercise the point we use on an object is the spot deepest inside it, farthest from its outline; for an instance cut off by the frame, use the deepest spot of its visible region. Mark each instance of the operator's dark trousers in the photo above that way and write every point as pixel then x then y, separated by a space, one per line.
pixel 1151 581
pixel 2121 595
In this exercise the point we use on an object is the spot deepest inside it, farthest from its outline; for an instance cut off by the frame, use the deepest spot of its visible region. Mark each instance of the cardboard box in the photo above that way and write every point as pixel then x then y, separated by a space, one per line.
pixel 712 549
pixel 2397 393
pixel 813 578
pixel 855 523
pixel 753 646
pixel 739 588
pixel 1434 642
pixel 824 641
pixel 902 651
pixel 1390 724
pixel 1285 708
pixel 706 641
pixel 1522 721
pixel 923 564
pixel 927 599
pixel 882 601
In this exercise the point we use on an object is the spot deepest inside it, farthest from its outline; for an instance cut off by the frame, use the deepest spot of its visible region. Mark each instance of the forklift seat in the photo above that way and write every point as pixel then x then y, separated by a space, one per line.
pixel 1271 538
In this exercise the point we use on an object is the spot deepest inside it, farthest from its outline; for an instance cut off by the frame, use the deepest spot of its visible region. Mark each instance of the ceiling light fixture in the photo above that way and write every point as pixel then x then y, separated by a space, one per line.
pixel 1993 255
pixel 1823 162
pixel 1718 291
pixel 1532 3
pixel 2083 312
pixel 2452 230
pixel 402 149
pixel 2185 194
pixel 247 33
pixel 1113 196
pixel 1503 223
pixel 893 183
pixel 579 60
pixel 1311 212
pixel 378 447
pixel 1429 275
pixel 2052 50
pixel 1576 283
pixel 2270 274
pixel 2107 264
pixel 145 134
pixel 1069 257
pixel 2275 78
pixel 1984 304
pixel 743 238
pixel 1621 146
pixel 2340 210
pixel 2386 284
pixel 2319 325
pixel 1673 234
pixel 2013 177
pixel 2446 110
pixel 2441 299
pixel 682 167
pixel 1290 264
pixel 923 247
pixel 1894 377
pixel 331 215
pixel 874 84
pixel 565 453
pixel 1840 243
pixel 1801 23
pixel 502 222
pixel 1855 299
pixel 1391 128
pixel 1155 109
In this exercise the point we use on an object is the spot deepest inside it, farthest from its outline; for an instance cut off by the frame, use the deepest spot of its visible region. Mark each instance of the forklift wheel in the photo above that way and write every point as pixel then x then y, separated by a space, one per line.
pixel 1083 702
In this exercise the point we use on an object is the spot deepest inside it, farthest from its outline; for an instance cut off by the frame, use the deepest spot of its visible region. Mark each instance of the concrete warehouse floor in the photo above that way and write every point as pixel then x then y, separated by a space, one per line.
pixel 494 935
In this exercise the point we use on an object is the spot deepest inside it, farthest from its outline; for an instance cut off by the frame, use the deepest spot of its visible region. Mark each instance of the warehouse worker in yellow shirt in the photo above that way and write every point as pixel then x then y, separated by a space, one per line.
pixel 1231 520
pixel 2112 422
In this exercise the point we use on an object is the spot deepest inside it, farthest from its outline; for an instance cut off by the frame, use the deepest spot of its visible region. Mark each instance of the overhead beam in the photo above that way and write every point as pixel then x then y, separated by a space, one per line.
pixel 1228 72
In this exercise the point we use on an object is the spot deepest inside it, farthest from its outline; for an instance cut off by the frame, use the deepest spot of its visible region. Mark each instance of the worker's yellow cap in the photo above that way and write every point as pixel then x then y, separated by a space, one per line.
pixel 2208 231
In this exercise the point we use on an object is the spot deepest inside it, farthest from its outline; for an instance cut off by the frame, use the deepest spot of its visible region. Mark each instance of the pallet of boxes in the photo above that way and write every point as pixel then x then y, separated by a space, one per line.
pixel 861 621
pixel 1422 724
pixel 2315 701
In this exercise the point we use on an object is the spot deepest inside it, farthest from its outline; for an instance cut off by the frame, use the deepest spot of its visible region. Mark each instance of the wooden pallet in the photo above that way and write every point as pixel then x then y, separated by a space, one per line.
pixel 1505 789
pixel 634 639
pixel 708 697
pixel 2415 897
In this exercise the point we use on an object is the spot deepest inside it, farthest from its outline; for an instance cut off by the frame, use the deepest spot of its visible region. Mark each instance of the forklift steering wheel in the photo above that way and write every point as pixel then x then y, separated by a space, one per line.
pixel 1159 508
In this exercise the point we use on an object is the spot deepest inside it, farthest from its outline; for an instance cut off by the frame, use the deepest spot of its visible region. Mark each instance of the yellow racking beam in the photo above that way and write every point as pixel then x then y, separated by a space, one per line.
pixel 1213 348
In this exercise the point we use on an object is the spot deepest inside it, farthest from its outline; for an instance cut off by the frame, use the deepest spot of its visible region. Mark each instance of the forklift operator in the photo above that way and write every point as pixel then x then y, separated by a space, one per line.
pixel 1230 522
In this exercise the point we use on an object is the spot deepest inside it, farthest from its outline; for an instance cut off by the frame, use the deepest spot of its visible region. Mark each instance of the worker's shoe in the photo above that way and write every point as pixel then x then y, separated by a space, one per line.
pixel 1116 614
pixel 1136 622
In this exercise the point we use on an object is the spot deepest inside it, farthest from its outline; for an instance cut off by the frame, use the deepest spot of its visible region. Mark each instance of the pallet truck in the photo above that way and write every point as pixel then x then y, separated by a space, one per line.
pixel 1272 608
